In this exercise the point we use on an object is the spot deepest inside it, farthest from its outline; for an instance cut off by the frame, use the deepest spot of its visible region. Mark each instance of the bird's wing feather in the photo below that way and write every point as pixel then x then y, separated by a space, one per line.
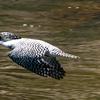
pixel 34 62
pixel 55 63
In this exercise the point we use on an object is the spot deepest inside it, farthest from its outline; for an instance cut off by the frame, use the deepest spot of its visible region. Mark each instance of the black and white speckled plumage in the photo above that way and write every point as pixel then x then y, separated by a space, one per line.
pixel 35 55
pixel 6 36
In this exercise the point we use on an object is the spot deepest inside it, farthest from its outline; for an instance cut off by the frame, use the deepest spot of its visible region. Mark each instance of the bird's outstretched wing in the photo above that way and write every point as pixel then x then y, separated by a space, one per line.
pixel 36 63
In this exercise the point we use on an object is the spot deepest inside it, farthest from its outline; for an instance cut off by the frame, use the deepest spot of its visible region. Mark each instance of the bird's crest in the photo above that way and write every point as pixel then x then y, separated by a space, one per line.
pixel 6 36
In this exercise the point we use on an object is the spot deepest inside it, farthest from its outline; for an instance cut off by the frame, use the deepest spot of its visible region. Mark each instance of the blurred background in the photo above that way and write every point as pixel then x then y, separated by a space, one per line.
pixel 71 25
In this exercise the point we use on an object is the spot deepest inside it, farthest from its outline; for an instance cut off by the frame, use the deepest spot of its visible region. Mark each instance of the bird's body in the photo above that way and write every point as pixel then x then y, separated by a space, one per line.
pixel 35 55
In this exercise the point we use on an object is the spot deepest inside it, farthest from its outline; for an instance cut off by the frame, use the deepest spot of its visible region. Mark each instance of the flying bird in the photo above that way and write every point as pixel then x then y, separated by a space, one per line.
pixel 35 55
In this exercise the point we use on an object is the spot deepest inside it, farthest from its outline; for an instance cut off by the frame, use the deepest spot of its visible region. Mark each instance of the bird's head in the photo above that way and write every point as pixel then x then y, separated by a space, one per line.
pixel 6 36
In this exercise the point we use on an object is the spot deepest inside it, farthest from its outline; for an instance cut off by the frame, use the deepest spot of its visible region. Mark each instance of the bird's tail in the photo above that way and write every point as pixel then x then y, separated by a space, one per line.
pixel 69 55
pixel 57 52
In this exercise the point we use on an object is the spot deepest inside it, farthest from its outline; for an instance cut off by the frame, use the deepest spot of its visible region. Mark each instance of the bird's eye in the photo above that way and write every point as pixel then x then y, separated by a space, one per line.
pixel 0 37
